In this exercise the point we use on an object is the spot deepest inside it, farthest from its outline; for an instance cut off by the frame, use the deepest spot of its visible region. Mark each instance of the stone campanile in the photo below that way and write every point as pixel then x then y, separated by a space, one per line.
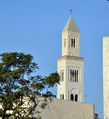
pixel 71 65
pixel 106 76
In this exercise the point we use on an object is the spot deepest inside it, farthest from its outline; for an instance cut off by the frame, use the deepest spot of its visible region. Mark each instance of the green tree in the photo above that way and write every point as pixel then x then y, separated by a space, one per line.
pixel 19 84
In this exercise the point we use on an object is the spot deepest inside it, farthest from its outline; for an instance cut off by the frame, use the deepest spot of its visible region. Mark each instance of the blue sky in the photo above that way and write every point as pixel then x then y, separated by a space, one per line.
pixel 35 26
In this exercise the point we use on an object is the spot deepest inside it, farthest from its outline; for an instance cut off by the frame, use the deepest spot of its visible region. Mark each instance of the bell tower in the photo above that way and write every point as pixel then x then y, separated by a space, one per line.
pixel 71 65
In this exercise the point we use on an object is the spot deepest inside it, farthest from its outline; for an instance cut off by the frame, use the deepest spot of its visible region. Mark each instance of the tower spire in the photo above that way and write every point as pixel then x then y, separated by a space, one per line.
pixel 71 25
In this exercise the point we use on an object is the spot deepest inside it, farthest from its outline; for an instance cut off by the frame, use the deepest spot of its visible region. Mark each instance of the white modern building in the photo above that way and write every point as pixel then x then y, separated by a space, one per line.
pixel 71 65
pixel 106 76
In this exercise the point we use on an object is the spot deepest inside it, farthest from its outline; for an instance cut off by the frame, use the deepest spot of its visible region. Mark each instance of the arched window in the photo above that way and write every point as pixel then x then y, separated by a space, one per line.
pixel 77 76
pixel 76 97
pixel 74 75
pixel 72 97
pixel 73 42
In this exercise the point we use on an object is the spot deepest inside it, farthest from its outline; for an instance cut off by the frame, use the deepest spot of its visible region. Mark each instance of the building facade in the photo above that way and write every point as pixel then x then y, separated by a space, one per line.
pixel 106 76
pixel 65 109
pixel 71 65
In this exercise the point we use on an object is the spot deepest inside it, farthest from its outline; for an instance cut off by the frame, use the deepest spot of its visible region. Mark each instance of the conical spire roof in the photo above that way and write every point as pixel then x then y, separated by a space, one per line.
pixel 71 26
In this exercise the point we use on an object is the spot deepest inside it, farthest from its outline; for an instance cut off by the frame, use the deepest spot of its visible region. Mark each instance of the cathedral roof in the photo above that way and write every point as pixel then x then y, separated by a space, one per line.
pixel 71 26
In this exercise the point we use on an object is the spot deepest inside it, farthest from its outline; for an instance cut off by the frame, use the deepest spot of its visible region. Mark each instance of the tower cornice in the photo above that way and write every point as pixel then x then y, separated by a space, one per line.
pixel 71 57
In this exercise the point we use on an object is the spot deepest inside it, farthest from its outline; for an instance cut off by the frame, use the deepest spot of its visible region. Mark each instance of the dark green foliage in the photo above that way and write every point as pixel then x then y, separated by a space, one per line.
pixel 17 82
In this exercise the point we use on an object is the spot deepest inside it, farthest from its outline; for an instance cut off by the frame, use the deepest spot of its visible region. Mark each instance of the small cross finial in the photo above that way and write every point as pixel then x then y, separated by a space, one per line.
pixel 71 12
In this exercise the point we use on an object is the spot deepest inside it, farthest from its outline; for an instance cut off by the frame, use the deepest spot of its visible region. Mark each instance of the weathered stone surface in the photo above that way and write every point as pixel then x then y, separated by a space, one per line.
pixel 106 76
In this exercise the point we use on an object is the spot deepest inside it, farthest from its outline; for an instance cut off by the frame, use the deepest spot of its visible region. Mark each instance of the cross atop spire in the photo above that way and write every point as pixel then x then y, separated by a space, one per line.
pixel 71 12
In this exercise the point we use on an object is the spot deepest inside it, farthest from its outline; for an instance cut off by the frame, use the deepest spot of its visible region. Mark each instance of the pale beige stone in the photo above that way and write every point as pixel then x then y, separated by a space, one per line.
pixel 64 109
pixel 106 76
pixel 71 60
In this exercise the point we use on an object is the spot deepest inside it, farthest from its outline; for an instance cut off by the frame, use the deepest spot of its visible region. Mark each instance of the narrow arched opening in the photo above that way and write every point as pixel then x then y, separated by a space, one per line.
pixel 76 98
pixel 72 97
pixel 73 42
